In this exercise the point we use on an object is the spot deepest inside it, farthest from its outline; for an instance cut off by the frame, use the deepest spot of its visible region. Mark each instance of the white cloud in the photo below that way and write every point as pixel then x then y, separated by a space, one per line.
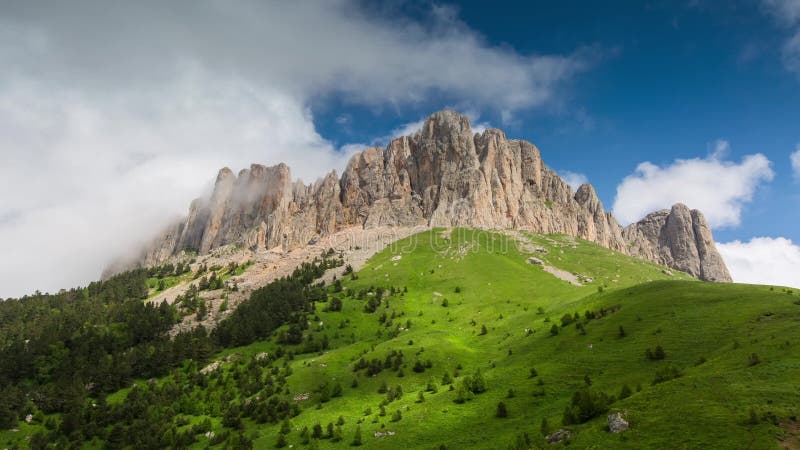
pixel 787 14
pixel 716 187
pixel 763 260
pixel 109 131
pixel 573 179
pixel 721 149
pixel 795 158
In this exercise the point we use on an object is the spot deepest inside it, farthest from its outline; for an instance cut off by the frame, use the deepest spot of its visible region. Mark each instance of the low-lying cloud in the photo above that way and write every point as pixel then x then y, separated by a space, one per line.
pixel 114 116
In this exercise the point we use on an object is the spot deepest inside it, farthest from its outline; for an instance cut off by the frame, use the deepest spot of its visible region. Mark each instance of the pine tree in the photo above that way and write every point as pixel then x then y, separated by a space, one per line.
pixel 502 412
pixel 357 436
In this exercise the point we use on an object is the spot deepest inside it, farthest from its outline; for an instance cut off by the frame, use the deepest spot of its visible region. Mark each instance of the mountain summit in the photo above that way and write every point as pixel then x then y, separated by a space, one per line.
pixel 444 175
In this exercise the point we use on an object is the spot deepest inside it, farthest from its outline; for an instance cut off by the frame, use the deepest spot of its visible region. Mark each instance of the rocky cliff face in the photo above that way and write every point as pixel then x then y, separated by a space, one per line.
pixel 444 175
pixel 679 238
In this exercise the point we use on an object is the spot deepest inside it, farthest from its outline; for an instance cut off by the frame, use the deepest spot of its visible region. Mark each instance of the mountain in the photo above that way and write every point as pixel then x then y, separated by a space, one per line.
pixel 442 176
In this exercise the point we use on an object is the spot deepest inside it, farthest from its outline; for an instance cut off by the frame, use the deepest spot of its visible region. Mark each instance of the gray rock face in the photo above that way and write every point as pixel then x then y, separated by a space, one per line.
pixel 617 423
pixel 444 175
pixel 558 436
pixel 678 238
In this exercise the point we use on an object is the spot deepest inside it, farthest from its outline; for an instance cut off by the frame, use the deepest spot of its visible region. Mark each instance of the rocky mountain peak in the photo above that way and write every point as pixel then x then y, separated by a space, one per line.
pixel 587 197
pixel 444 175
pixel 446 123
pixel 679 238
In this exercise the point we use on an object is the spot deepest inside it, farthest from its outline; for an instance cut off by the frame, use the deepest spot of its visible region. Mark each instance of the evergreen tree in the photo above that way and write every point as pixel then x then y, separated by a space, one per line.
pixel 502 412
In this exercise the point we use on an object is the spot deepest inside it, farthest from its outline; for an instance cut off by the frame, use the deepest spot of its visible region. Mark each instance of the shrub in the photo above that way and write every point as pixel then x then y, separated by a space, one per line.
pixel 475 382
pixel 502 412
pixel 522 442
pixel 700 361
pixel 397 416
pixel 483 330
pixel 281 442
pixel 753 359
pixel 533 373
pixel 657 354
pixel 554 330
pixel 586 405
pixel 625 392
pixel 335 304
pixel 666 374
pixel 462 394
pixel 357 437
pixel 447 378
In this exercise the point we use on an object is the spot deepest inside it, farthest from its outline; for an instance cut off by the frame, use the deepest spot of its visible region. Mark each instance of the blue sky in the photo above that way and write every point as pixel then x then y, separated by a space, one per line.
pixel 671 79
pixel 107 133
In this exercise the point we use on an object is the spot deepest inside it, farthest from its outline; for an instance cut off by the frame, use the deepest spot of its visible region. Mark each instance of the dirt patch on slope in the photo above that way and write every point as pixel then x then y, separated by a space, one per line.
pixel 791 439
pixel 355 245
pixel 524 245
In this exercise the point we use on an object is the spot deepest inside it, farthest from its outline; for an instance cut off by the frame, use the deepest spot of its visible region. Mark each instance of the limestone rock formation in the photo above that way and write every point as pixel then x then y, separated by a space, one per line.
pixel 443 175
pixel 679 238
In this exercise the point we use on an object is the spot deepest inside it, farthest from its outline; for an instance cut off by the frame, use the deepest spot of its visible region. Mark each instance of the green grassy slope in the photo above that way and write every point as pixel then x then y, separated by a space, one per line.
pixel 708 332
pixel 499 289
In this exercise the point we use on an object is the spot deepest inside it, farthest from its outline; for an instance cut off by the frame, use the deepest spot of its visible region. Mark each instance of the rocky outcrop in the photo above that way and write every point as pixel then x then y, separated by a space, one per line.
pixel 443 175
pixel 617 422
pixel 679 238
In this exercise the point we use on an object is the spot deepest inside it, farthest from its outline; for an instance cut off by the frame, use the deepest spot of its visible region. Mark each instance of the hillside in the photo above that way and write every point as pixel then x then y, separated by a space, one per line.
pixel 473 307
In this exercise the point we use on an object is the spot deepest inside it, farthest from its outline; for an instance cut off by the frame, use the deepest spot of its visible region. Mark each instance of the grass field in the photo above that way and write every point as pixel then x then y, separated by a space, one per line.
pixel 734 348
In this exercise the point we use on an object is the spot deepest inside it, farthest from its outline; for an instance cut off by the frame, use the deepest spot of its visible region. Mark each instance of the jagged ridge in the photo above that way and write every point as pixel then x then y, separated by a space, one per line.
pixel 444 175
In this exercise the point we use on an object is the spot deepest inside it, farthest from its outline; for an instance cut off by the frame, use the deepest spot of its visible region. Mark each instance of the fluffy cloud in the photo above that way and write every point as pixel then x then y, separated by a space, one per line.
pixel 763 260
pixel 113 117
pixel 573 179
pixel 718 188
pixel 795 158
